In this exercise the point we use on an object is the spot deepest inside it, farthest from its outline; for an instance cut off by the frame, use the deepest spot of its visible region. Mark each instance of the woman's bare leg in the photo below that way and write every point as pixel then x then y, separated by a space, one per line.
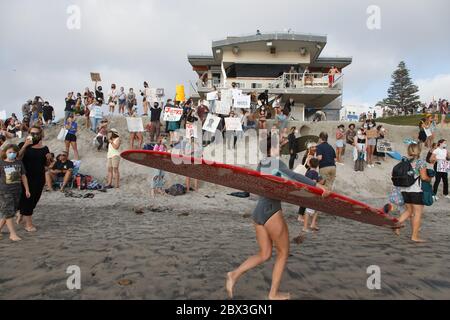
pixel 75 150
pixel 116 177
pixel 416 222
pixel 67 143
pixel 278 232
pixel 264 254
pixel 110 176
pixel 405 216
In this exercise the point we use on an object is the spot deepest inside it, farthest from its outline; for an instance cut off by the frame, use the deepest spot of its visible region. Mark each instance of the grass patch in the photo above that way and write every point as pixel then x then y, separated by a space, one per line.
pixel 406 120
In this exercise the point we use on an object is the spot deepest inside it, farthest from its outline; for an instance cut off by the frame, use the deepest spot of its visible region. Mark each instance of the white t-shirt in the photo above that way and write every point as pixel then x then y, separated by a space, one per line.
pixel 441 154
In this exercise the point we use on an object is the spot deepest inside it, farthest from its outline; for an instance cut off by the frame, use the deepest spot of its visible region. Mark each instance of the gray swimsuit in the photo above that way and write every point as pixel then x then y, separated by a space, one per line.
pixel 266 208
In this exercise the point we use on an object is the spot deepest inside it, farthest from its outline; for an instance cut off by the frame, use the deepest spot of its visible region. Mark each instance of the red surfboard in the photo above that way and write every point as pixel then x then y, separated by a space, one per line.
pixel 269 186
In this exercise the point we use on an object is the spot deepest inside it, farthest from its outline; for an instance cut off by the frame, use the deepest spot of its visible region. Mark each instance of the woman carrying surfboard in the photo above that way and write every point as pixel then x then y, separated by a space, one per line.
pixel 270 226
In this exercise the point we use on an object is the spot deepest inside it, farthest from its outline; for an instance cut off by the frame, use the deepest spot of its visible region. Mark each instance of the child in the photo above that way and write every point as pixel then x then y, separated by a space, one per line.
pixel 313 174
pixel 12 176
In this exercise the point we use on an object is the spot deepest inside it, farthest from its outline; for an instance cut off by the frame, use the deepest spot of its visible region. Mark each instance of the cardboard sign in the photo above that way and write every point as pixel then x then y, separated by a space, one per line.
pixel 172 114
pixel 222 108
pixel 135 124
pixel 191 130
pixel 227 97
pixel 96 77
pixel 372 133
pixel 212 96
pixel 3 115
pixel 242 102
pixel 233 124
pixel 211 123
pixel 384 146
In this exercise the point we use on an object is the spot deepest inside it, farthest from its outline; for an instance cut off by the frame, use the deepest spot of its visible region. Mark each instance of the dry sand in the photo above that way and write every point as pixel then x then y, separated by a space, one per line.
pixel 182 247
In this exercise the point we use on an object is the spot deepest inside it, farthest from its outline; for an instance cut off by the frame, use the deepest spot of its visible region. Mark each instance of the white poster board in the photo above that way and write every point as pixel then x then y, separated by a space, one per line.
pixel 191 130
pixel 233 124
pixel 3 115
pixel 172 114
pixel 222 108
pixel 226 97
pixel 212 96
pixel 236 93
pixel 242 102
pixel 135 124
pixel 211 123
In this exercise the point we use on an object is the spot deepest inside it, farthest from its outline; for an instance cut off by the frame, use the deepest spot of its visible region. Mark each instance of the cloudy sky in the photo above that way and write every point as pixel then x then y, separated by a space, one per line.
pixel 129 41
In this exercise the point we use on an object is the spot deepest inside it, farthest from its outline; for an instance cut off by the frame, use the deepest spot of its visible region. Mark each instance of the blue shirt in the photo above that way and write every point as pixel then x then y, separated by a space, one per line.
pixel 328 155
pixel 73 128
pixel 313 175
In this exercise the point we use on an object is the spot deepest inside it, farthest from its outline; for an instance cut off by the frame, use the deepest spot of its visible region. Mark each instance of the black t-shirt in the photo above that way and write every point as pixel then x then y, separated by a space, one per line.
pixel 48 111
pixel 328 155
pixel 99 95
pixel 35 161
pixel 70 103
pixel 62 166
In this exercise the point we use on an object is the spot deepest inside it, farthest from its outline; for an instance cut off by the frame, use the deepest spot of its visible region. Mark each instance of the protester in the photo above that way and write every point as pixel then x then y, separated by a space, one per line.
pixel 262 114
pixel 48 113
pixel 12 177
pixel 413 195
pixel 146 98
pixel 327 160
pixel 131 101
pixel 155 120
pixel 136 135
pixel 102 135
pixel 122 98
pixel 70 104
pixel 381 131
pixel 340 134
pixel 112 99
pixel 292 147
pixel 192 149
pixel 113 160
pixel 312 174
pixel 96 114
pixel 61 172
pixel 26 109
pixel 71 136
pixel 360 150
pixel 35 157
pixel 440 158
pixel 99 96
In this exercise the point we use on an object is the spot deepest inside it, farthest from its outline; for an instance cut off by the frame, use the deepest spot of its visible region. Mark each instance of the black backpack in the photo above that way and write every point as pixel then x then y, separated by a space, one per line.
pixel 403 174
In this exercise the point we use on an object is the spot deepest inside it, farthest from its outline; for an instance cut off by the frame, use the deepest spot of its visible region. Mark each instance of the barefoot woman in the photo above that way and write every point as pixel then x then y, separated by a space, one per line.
pixel 271 228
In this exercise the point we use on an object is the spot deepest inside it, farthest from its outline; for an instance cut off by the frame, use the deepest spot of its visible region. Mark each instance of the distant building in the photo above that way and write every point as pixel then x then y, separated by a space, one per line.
pixel 278 63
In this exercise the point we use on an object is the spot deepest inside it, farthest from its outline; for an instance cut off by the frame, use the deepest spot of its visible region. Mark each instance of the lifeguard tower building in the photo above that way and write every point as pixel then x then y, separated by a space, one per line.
pixel 287 64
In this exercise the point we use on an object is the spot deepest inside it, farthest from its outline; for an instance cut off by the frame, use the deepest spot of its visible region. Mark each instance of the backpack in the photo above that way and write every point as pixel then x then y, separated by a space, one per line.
pixel 403 174
pixel 176 190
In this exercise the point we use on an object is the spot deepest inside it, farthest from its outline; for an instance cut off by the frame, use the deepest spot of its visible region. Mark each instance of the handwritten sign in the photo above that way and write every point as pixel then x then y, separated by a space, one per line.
pixel 242 102
pixel 96 77
pixel 236 93
pixel 227 98
pixel 384 146
pixel 212 96
pixel 211 123
pixel 172 114
pixel 233 124
pixel 443 166
pixel 135 124
pixel 3 115
pixel 222 108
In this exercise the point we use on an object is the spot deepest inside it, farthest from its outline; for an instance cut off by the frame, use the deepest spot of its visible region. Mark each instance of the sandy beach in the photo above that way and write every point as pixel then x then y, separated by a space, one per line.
pixel 182 247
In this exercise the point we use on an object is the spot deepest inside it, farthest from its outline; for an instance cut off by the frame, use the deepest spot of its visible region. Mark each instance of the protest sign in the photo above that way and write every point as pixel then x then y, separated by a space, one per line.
pixel 180 95
pixel 443 166
pixel 96 77
pixel 384 146
pixel 233 124
pixel 242 102
pixel 227 98
pixel 3 115
pixel 172 114
pixel 222 108
pixel 211 123
pixel 135 124
pixel 236 93
pixel 191 130
pixel 212 96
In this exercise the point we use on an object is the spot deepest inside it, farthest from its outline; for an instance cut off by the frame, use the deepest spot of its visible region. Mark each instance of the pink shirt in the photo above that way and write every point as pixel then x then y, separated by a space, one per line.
pixel 159 148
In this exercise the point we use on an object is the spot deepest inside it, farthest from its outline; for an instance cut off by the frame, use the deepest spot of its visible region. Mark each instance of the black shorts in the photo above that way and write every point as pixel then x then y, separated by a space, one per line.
pixel 413 198
pixel 71 137
pixel 48 117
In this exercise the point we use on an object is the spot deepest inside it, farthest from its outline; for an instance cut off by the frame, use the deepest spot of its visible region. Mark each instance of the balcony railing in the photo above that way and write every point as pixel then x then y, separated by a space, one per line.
pixel 286 81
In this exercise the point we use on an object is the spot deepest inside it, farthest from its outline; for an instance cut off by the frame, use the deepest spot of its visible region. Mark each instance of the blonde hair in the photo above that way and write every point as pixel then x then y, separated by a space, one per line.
pixel 414 151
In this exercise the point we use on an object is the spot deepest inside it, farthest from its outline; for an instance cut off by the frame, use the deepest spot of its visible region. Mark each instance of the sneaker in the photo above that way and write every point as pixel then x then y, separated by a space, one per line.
pixel 436 198
pixel 447 197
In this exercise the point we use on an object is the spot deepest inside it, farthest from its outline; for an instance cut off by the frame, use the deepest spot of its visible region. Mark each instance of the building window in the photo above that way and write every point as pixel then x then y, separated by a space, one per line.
pixel 256 85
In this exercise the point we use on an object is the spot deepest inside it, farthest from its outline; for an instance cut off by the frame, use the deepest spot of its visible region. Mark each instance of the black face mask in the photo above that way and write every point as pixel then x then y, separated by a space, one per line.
pixel 36 138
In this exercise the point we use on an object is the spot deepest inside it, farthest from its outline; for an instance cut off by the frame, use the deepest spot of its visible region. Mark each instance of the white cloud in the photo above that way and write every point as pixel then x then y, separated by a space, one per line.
pixel 434 88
